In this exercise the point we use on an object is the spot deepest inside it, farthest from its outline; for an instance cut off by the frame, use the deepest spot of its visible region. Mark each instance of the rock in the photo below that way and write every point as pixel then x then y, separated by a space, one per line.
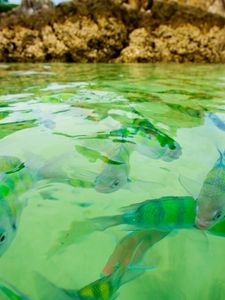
pixel 105 31
pixel 186 43
pixel 188 9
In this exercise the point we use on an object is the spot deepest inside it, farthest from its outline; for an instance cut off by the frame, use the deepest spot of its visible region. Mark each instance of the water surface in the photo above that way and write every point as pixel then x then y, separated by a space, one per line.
pixel 46 109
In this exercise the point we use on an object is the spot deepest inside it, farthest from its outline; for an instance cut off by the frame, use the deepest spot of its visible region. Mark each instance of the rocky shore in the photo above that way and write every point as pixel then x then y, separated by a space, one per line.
pixel 110 31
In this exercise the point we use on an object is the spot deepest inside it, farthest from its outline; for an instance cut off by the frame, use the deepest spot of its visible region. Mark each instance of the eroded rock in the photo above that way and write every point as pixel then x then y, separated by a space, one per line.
pixel 105 31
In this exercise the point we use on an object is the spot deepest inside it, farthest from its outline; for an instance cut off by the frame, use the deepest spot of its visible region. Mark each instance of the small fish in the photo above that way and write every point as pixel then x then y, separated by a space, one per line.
pixel 132 248
pixel 165 213
pixel 217 121
pixel 104 288
pixel 12 186
pixel 149 140
pixel 114 175
pixel 10 164
pixel 210 208
pixel 153 143
pixel 11 292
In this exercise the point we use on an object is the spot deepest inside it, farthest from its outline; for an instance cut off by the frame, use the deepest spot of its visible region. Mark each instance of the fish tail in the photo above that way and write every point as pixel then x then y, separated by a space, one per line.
pixel 102 223
pixel 221 159
pixel 46 289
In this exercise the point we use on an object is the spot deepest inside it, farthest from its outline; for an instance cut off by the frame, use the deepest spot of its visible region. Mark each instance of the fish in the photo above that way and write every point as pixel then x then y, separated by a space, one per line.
pixel 11 292
pixel 154 143
pixel 122 266
pixel 12 185
pixel 115 173
pixel 149 140
pixel 105 288
pixel 210 208
pixel 167 213
pixel 131 248
pixel 217 121
pixel 10 164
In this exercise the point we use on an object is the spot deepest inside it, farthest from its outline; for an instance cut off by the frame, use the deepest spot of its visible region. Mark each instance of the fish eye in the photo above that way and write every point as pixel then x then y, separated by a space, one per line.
pixel 217 215
pixel 115 183
pixel 2 237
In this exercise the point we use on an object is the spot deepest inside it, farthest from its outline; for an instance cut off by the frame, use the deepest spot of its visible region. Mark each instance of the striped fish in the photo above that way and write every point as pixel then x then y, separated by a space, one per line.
pixel 149 140
pixel 115 173
pixel 10 164
pixel 210 208
pixel 102 289
pixel 165 213
pixel 12 186
pixel 118 270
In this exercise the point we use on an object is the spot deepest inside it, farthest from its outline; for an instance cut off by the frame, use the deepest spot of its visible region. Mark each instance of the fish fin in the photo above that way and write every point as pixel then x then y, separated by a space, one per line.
pixel 91 154
pixel 191 186
pixel 217 121
pixel 72 293
pixel 48 290
pixel 11 292
pixel 221 159
pixel 102 223
pixel 133 267
pixel 145 184
pixel 218 229
pixel 76 233
pixel 17 169
pixel 131 275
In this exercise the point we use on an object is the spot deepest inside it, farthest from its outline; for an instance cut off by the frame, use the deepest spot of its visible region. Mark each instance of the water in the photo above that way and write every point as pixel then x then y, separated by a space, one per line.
pixel 45 113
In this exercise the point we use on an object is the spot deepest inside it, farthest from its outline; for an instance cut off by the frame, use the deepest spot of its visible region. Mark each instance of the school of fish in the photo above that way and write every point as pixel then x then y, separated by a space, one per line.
pixel 148 222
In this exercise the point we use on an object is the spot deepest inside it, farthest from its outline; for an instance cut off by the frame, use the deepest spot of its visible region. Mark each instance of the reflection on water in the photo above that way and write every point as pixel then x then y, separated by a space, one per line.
pixel 92 166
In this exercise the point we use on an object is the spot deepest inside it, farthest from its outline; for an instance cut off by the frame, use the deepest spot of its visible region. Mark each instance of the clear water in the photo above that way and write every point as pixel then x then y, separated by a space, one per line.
pixel 43 108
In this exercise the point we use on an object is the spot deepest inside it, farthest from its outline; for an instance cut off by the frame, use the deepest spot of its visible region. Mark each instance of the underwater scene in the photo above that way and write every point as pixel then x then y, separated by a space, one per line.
pixel 112 182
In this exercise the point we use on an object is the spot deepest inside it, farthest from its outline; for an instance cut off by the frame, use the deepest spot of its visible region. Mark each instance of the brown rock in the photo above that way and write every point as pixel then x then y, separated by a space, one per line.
pixel 186 43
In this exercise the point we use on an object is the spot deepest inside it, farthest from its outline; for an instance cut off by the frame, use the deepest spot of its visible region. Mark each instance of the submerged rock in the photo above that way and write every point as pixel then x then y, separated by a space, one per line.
pixel 117 31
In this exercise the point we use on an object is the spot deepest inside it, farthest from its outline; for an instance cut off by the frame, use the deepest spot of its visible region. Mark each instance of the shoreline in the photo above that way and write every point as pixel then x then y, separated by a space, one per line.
pixel 102 31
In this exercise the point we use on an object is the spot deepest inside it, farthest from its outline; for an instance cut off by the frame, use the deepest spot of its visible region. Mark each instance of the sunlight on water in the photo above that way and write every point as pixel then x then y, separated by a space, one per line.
pixel 90 140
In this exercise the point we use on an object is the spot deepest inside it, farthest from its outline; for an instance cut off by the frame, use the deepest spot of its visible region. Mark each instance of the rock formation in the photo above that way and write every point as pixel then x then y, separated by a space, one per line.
pixel 116 31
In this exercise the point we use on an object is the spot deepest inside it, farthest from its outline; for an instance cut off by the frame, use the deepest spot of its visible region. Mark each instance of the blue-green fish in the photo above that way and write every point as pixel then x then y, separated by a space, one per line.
pixel 11 292
pixel 10 164
pixel 122 267
pixel 165 214
pixel 115 173
pixel 12 185
pixel 210 208
pixel 104 288
pixel 217 121
pixel 153 143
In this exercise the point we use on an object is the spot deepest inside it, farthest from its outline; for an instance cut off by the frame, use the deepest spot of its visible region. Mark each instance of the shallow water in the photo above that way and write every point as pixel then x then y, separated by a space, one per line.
pixel 47 113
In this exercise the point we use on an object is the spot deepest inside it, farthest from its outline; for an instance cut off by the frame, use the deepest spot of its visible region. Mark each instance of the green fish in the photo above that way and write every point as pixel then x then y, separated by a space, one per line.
pixel 153 143
pixel 12 185
pixel 115 173
pixel 11 292
pixel 10 164
pixel 166 213
pixel 131 249
pixel 123 266
pixel 104 288
pixel 149 140
pixel 210 208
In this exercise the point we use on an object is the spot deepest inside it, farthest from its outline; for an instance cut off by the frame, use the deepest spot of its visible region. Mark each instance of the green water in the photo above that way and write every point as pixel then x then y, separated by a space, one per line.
pixel 43 108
